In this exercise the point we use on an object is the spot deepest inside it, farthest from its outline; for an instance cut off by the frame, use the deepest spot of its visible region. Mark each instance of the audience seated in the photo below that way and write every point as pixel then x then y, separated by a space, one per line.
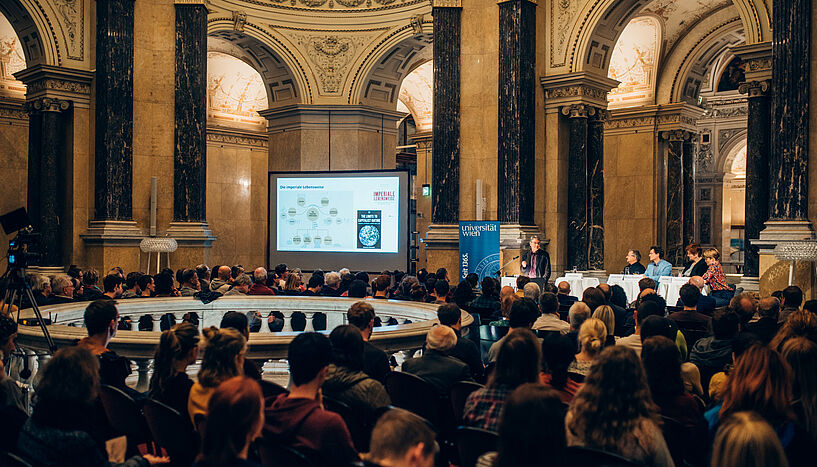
pixel 606 315
pixel 223 358
pixel 593 297
pixel 345 380
pixel 522 315
pixel 240 287
pixel 189 283
pixel 549 319
pixel 313 286
pixel 147 285
pixel 614 411
pixel 517 363
pixel 401 439
pixel 436 366
pixel 564 294
pixel 487 304
pixel 801 355
pixel 531 430
pixel 716 351
pixel 577 315
pixel 465 350
pixel 764 323
pixel 619 310
pixel 791 300
pixel 259 286
pixel 297 418
pixel 241 323
pixel 746 439
pixel 60 432
pixel 10 393
pixel 90 291
pixel 557 354
pixel 63 290
pixel 798 324
pixel 463 295
pixel 644 311
pixel 178 348
pixel 689 316
pixel 221 283
pixel 375 362
pixel 761 381
pixel 592 335
pixel 706 304
pixel 101 317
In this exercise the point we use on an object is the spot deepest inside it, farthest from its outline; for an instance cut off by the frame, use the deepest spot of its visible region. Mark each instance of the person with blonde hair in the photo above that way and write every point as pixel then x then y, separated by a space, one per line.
pixel 745 439
pixel 436 366
pixel 177 349
pixel 224 351
pixel 607 316
pixel 722 292
pixel 592 336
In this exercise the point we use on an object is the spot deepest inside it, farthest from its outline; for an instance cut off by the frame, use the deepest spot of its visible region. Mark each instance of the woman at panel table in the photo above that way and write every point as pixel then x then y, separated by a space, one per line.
pixel 696 265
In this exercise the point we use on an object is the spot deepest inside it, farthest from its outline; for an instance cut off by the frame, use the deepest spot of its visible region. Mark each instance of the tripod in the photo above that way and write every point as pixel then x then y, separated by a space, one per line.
pixel 17 287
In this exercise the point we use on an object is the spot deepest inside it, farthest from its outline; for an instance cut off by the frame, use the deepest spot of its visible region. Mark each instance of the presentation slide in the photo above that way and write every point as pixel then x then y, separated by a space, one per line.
pixel 330 220
pixel 348 214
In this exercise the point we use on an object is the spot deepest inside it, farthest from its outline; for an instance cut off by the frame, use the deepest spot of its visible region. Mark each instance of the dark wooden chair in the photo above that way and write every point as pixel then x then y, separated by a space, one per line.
pixel 359 424
pixel 474 442
pixel 586 457
pixel 270 389
pixel 416 395
pixel 459 393
pixel 273 453
pixel 125 417
pixel 693 331
pixel 172 432
pixel 684 442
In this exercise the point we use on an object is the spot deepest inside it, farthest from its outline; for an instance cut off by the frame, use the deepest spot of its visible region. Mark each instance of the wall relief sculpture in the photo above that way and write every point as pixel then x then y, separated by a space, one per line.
pixel 71 12
pixel 331 56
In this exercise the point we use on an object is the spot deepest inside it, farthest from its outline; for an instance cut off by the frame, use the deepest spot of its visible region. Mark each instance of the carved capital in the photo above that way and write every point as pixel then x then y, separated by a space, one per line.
pixel 676 135
pixel 47 104
pixel 578 111
pixel 754 88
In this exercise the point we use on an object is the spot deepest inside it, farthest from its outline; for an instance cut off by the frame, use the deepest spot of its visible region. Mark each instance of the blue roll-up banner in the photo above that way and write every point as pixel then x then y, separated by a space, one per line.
pixel 479 248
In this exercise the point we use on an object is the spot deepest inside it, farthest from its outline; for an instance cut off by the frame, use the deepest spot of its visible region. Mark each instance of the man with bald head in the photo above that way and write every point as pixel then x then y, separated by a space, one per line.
pixel 564 294
pixel 221 284
pixel 436 366
pixel 259 286
pixel 706 304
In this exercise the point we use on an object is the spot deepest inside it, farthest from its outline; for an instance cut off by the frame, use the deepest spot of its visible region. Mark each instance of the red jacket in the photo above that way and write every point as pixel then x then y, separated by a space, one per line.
pixel 260 289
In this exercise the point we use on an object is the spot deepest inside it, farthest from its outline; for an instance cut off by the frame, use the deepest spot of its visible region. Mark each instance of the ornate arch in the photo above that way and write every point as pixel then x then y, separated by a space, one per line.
pixel 683 70
pixel 380 72
pixel 756 16
pixel 36 31
pixel 727 152
pixel 280 67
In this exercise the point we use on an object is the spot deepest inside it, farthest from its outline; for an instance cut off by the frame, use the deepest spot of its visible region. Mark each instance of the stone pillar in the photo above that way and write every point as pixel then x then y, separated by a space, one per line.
pixel 517 44
pixel 673 230
pixel 47 132
pixel 442 239
pixel 189 226
pixel 423 140
pixel 578 255
pixel 688 187
pixel 445 152
pixel 595 180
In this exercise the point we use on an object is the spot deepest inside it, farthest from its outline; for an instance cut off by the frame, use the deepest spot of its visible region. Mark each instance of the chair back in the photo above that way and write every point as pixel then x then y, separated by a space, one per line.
pixel 273 453
pixel 576 456
pixel 459 393
pixel 359 425
pixel 172 432
pixel 492 333
pixel 125 416
pixel 474 442
pixel 416 395
pixel 13 460
pixel 693 331
pixel 270 389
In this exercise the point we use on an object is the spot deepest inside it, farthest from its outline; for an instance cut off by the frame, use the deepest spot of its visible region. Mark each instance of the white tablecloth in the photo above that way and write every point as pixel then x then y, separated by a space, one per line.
pixel 670 287
pixel 628 282
pixel 578 284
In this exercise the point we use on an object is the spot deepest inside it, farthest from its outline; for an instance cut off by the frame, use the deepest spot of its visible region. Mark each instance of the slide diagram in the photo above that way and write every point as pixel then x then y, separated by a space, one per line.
pixel 313 220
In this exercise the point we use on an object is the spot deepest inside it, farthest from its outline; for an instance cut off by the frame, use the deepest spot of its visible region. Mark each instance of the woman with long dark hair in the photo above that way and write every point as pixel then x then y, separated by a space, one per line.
pixel 177 349
pixel 235 418
pixel 516 364
pixel 557 354
pixel 801 354
pixel 614 411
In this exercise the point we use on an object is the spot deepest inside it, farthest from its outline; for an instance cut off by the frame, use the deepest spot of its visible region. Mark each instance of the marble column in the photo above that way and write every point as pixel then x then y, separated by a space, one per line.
pixel 688 187
pixel 113 197
pixel 788 161
pixel 595 179
pixel 578 185
pixel 445 152
pixel 47 141
pixel 673 232
pixel 517 45
pixel 757 169
pixel 190 153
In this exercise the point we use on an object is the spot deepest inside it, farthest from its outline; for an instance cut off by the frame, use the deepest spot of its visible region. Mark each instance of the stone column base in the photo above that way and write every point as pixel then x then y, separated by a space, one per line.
pixel 442 243
pixel 773 273
pixel 195 241
pixel 112 243
pixel 749 284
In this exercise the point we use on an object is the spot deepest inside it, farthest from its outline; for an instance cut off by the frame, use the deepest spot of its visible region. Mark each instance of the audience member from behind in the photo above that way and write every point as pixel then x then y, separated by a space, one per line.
pixel 518 363
pixel 132 289
pixel 487 303
pixel 357 289
pixel 593 297
pixel 606 315
pixel 746 440
pixel 223 358
pixel 716 351
pixel 564 294
pixel 577 315
pixel 801 354
pixel 345 380
pixel 522 315
pixel 690 317
pixel 465 350
pixel 60 432
pixel 298 418
pixel 436 366
pixel 592 336
pixel 331 286
pixel 401 439
pixel 764 323
pixel 189 284
pixel 557 353
pixel 614 411
pixel 761 381
pixel 531 431
pixel 90 290
pixel 101 319
pixel 792 299
pixel 798 324
pixel 380 286
pixel 241 286
pixel 235 418
pixel 313 286
pixel 10 393
pixel 549 320
pixel 178 348
pixel 259 286
pixel 241 323
pixel 645 310
pixel 375 361
pixel 221 283
pixel 706 304
pixel 63 290
pixel 164 285
pixel 463 295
